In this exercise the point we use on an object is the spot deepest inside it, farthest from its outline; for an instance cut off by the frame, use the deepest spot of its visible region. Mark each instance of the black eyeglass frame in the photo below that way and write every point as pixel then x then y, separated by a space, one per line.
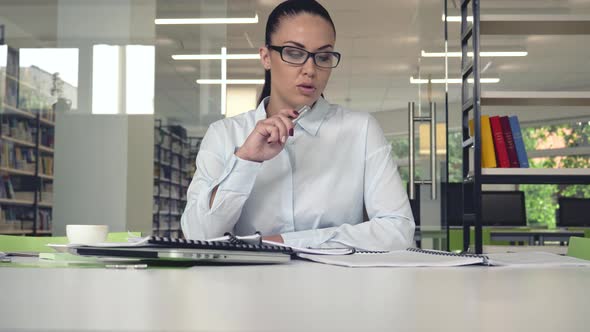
pixel 309 54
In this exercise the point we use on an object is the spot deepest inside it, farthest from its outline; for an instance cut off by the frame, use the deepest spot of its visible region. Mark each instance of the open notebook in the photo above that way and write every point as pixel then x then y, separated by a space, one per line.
pixel 413 257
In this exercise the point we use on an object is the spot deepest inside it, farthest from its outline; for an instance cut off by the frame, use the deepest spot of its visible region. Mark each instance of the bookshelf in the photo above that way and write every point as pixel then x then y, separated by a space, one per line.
pixel 27 121
pixel 172 176
pixel 195 146
pixel 473 99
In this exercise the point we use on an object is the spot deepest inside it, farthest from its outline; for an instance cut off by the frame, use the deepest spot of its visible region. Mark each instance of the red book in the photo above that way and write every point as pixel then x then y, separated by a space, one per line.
pixel 499 143
pixel 509 140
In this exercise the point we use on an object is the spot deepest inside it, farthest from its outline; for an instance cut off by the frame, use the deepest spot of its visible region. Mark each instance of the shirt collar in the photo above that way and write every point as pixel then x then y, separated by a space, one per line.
pixel 310 122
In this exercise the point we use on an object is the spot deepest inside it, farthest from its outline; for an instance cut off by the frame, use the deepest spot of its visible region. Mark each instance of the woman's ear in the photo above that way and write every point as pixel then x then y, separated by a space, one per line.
pixel 264 57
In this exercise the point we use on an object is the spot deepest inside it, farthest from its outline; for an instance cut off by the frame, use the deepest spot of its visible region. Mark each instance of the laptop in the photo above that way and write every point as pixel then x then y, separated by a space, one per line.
pixel 182 250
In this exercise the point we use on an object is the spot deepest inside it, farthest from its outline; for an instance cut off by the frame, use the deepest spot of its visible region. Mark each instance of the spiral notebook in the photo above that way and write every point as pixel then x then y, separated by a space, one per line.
pixel 414 257
pixel 411 257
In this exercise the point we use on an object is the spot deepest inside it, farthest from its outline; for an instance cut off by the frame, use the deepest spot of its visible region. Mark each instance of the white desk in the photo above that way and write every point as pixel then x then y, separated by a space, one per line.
pixel 296 297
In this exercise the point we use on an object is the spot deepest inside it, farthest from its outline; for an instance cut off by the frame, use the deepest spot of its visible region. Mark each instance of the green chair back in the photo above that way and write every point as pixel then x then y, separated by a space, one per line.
pixel 579 247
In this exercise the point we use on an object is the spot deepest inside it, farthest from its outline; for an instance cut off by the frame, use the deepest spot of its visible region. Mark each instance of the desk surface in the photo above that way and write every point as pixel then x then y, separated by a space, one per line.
pixel 295 297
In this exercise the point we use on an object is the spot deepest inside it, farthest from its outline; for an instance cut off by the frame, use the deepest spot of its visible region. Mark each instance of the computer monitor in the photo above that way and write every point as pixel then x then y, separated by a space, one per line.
pixel 573 212
pixel 503 208
pixel 499 208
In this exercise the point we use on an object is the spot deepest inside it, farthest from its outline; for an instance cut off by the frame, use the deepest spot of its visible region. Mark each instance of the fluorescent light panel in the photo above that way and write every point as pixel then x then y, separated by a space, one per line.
pixel 188 21
pixel 215 56
pixel 470 54
pixel 244 82
pixel 452 81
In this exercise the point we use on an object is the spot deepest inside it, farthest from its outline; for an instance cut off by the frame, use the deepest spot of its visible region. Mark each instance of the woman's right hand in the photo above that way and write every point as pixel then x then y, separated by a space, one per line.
pixel 268 137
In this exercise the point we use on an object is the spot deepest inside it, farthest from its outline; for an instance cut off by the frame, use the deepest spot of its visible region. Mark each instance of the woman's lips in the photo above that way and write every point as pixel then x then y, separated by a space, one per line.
pixel 306 89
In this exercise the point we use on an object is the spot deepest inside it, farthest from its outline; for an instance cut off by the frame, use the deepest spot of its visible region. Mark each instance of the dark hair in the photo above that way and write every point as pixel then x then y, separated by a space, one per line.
pixel 289 8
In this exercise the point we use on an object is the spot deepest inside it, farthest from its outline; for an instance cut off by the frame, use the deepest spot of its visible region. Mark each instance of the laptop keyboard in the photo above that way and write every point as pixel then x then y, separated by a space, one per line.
pixel 217 245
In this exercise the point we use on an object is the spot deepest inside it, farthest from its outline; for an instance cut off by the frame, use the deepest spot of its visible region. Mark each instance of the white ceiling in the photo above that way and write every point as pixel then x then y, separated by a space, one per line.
pixel 381 42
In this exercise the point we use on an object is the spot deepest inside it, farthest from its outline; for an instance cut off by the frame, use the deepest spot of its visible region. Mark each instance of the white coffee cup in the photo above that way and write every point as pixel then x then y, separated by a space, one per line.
pixel 87 234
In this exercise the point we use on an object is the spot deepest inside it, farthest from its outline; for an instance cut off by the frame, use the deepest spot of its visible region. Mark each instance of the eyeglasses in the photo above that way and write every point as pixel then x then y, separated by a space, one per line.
pixel 299 56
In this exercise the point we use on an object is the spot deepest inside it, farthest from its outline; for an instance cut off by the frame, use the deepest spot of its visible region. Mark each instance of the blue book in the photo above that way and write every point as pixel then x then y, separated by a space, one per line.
pixel 523 159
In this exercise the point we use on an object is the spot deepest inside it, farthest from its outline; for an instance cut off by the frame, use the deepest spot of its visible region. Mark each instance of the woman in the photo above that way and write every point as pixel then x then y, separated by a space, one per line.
pixel 305 184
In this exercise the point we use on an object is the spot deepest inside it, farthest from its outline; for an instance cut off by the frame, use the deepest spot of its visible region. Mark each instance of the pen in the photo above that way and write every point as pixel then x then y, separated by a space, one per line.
pixel 304 109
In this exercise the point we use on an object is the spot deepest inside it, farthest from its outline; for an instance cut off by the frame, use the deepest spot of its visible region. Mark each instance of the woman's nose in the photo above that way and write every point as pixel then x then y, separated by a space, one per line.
pixel 309 67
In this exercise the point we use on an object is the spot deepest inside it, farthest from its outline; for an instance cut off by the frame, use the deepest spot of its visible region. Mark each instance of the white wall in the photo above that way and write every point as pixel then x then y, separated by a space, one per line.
pixel 103 171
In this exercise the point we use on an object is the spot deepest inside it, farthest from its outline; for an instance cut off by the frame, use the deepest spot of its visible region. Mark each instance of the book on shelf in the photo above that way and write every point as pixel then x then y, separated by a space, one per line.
pixel 18 188
pixel 47 137
pixel 499 142
pixel 509 140
pixel 488 155
pixel 502 144
pixel 6 188
pixel 16 157
pixel 46 165
pixel 3 191
pixel 23 217
pixel 19 129
pixel 523 159
pixel 44 222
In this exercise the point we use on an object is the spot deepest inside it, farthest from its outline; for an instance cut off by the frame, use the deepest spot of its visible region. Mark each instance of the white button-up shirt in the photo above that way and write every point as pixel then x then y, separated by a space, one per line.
pixel 314 192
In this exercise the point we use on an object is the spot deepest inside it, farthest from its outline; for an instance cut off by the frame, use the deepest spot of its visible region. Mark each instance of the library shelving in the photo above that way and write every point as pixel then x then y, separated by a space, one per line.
pixel 27 122
pixel 473 99
pixel 172 174
pixel 195 146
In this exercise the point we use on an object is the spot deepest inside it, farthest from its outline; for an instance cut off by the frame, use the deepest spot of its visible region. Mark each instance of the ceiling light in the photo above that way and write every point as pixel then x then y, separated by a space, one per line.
pixel 215 56
pixel 242 82
pixel 451 81
pixel 470 54
pixel 236 20
pixel 456 18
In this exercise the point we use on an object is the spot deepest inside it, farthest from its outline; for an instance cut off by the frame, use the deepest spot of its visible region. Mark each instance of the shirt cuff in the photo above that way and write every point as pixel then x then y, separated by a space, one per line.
pixel 240 175
pixel 313 238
